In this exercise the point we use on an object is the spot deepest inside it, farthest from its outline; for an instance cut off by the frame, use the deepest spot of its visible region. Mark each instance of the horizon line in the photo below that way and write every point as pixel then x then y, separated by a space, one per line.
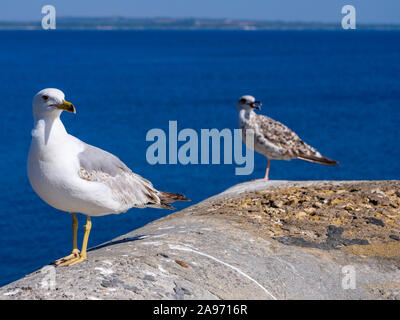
pixel 221 19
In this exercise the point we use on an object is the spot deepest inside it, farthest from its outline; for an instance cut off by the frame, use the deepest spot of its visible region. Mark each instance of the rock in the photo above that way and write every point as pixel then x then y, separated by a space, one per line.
pixel 229 247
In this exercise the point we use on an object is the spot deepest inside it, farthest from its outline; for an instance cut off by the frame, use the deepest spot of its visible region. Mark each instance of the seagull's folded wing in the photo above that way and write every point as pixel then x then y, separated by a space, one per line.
pixel 285 140
pixel 128 188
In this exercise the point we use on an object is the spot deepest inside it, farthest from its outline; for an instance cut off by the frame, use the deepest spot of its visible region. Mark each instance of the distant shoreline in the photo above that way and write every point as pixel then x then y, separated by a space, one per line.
pixel 118 23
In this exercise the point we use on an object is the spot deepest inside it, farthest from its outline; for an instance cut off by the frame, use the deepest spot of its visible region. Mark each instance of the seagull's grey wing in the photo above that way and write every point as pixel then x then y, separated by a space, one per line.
pixel 128 188
pixel 287 141
pixel 95 159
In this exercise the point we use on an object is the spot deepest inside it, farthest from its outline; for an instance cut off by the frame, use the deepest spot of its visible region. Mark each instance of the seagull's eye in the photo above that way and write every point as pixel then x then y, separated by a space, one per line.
pixel 242 100
pixel 45 98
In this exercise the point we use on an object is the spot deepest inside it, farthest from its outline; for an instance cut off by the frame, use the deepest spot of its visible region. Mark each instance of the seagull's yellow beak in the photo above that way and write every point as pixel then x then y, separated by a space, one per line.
pixel 65 105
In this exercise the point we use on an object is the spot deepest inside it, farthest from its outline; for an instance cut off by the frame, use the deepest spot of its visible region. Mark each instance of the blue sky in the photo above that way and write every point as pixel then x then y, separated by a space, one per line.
pixel 368 11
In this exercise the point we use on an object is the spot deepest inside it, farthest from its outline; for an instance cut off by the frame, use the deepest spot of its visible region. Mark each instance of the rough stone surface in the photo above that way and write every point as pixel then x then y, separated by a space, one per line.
pixel 257 240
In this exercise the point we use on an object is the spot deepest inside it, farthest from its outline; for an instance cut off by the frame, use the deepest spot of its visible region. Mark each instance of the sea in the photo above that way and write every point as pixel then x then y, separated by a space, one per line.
pixel 339 90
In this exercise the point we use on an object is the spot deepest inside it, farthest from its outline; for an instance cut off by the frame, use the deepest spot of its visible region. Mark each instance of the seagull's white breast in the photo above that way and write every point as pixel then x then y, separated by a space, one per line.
pixel 53 168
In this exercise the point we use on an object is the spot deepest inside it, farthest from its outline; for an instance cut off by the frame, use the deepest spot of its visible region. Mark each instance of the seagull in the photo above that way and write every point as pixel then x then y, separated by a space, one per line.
pixel 273 139
pixel 73 176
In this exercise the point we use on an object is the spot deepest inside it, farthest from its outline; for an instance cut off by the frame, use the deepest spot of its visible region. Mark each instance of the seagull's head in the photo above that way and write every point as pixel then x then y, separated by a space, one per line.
pixel 248 103
pixel 50 103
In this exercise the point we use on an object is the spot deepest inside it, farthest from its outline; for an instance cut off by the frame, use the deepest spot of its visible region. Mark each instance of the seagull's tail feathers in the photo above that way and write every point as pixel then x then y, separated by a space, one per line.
pixel 321 159
pixel 167 197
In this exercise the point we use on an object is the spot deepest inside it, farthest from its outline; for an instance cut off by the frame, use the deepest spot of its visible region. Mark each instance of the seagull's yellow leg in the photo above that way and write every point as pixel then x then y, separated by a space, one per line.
pixel 75 251
pixel 83 253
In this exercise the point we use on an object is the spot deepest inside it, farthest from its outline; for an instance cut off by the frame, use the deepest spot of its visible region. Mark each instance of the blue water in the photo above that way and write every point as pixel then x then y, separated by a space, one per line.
pixel 339 91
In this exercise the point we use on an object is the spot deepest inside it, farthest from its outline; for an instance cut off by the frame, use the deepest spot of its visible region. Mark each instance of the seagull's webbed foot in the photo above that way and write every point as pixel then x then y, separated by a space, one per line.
pixel 72 256
pixel 73 261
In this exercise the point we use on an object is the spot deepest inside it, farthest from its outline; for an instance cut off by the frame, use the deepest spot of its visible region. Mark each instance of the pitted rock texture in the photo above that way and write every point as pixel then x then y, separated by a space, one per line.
pixel 257 240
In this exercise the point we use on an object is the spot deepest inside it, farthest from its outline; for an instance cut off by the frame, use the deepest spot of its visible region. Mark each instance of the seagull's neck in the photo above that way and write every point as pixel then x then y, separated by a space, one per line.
pixel 245 114
pixel 49 130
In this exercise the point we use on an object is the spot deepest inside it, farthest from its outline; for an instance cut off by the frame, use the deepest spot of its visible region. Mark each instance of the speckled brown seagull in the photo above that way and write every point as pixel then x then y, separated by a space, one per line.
pixel 273 139
pixel 73 176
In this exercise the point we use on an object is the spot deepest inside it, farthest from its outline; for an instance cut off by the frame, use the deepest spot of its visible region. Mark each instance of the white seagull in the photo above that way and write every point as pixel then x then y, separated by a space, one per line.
pixel 75 177
pixel 273 139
